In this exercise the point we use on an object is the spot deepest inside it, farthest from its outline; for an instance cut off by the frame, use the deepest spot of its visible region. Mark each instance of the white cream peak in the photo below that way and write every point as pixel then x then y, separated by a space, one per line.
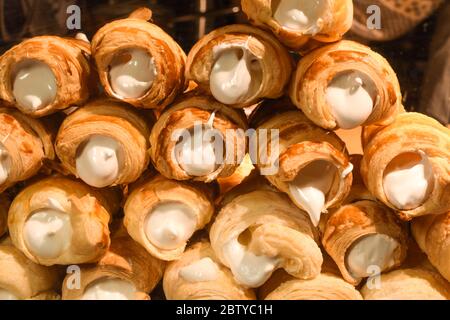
pixel 5 164
pixel 300 15
pixel 110 289
pixel 204 269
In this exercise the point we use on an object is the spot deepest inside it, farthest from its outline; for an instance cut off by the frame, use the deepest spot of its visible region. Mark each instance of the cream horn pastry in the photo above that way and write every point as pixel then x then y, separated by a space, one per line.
pixel 162 215
pixel 406 165
pixel 326 286
pixel 45 74
pixel 22 279
pixel 345 85
pixel 239 65
pixel 297 22
pixel 125 272
pixel 407 284
pixel 105 143
pixel 306 162
pixel 138 62
pixel 25 143
pixel 198 138
pixel 198 275
pixel 432 233
pixel 61 221
pixel 260 231
pixel 4 207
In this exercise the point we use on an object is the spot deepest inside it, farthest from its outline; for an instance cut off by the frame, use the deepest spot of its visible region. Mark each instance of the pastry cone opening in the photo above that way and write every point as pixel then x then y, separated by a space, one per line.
pixel 204 269
pixel 5 164
pixel 110 288
pixel 131 73
pixel 408 180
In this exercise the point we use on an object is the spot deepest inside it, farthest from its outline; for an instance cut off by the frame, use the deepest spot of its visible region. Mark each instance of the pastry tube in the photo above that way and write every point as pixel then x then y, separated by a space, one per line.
pixel 432 233
pixel 45 74
pixel 138 62
pixel 408 284
pixel 198 138
pixel 105 143
pixel 22 279
pixel 239 65
pixel 303 160
pixel 125 272
pixel 297 23
pixel 162 215
pixel 406 165
pixel 198 275
pixel 25 144
pixel 61 221
pixel 326 286
pixel 261 231
pixel 345 85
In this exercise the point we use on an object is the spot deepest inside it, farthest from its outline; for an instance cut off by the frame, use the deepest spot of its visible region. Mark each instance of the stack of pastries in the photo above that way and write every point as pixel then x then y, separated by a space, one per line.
pixel 127 165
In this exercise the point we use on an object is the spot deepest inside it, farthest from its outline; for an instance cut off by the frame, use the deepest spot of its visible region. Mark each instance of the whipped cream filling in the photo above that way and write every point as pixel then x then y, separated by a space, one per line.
pixel 311 186
pixel 407 180
pixel 202 270
pixel 372 250
pixel 131 73
pixel 48 231
pixel 170 225
pixel 34 85
pixel 301 15
pixel 110 289
pixel 99 161
pixel 7 295
pixel 236 74
pixel 351 96
pixel 248 269
pixel 5 164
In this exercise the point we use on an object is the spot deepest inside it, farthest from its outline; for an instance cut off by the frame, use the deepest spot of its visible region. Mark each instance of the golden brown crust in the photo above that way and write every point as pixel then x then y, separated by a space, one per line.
pixel 155 191
pixel 191 109
pixel 136 32
pixel 222 288
pixel 67 58
pixel 129 127
pixel 276 63
pixel 317 69
pixel 411 132
pixel 336 21
pixel 4 207
pixel 89 217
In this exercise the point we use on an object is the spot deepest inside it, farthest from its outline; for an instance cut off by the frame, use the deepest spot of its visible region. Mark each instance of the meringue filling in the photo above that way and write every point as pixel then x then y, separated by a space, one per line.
pixel 7 295
pixel 99 161
pixel 5 164
pixel 34 85
pixel 48 232
pixel 236 75
pixel 371 250
pixel 170 225
pixel 408 180
pixel 204 269
pixel 131 73
pixel 110 289
pixel 310 188
pixel 300 15
pixel 352 95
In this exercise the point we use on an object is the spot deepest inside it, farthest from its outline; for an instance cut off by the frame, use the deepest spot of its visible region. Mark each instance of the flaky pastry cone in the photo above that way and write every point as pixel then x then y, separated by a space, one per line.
pixel 25 143
pixel 261 231
pixel 198 275
pixel 297 146
pixel 178 126
pixel 432 233
pixel 331 20
pixel 420 145
pixel 114 44
pixel 162 215
pixel 329 68
pixel 126 131
pixel 4 207
pixel 61 221
pixel 258 53
pixel 22 279
pixel 62 62
pixel 407 284
pixel 326 286
pixel 126 271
